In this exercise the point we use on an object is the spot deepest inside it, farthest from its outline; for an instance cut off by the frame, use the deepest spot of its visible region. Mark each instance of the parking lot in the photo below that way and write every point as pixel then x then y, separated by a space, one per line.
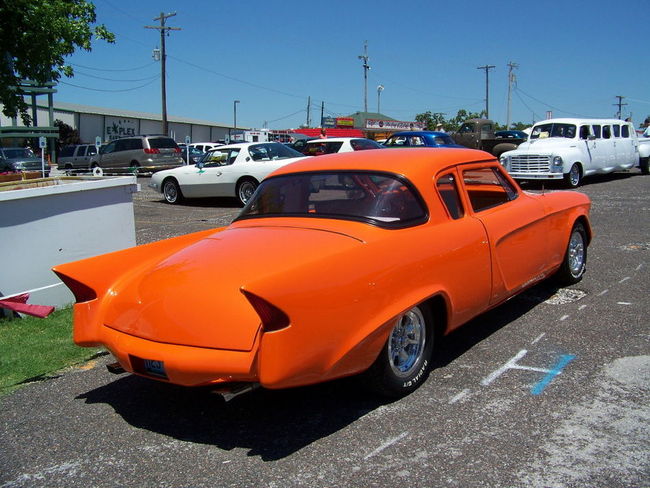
pixel 550 389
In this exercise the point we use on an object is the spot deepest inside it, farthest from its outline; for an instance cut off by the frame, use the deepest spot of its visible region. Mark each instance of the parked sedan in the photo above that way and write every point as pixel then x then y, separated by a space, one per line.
pixel 420 138
pixel 228 171
pixel 331 145
pixel 339 265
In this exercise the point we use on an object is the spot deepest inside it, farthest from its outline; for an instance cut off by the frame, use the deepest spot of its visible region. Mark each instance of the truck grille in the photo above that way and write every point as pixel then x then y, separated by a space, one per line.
pixel 530 163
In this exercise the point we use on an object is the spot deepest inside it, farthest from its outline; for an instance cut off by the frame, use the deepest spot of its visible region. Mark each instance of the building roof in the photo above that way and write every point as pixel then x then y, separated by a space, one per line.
pixel 87 109
pixel 361 117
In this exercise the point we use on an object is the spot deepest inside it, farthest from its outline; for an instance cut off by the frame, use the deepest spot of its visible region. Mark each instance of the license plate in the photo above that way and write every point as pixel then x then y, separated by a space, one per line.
pixel 156 368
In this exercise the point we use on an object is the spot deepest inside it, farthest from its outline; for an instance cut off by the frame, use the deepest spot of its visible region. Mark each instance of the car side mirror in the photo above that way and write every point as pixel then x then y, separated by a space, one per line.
pixel 248 158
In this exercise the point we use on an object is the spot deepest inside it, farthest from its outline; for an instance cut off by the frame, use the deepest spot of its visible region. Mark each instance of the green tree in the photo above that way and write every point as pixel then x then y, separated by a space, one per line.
pixel 431 120
pixel 35 37
pixel 67 135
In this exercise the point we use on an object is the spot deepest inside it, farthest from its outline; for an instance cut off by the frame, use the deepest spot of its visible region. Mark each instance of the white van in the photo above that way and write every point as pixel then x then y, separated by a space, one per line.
pixel 570 149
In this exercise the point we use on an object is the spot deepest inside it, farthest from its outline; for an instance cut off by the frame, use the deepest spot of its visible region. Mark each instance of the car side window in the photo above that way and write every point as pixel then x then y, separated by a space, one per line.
pixel 584 132
pixel 625 131
pixel 617 130
pixel 109 148
pixel 596 129
pixel 607 133
pixel 215 158
pixel 487 188
pixel 448 191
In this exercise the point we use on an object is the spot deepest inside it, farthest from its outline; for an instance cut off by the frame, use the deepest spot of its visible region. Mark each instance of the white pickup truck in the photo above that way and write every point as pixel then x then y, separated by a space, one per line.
pixel 571 149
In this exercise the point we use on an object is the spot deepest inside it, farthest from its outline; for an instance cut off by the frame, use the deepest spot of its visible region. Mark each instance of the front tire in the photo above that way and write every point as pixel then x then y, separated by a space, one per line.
pixel 574 177
pixel 575 258
pixel 405 360
pixel 172 191
pixel 245 190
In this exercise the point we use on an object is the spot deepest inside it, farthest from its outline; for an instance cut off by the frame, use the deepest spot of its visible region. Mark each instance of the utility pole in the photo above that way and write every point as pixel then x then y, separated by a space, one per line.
pixel 366 67
pixel 322 112
pixel 309 111
pixel 380 88
pixel 620 104
pixel 163 58
pixel 511 81
pixel 487 69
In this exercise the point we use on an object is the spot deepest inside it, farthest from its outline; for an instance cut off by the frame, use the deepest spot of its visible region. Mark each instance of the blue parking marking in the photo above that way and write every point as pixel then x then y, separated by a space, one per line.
pixel 543 383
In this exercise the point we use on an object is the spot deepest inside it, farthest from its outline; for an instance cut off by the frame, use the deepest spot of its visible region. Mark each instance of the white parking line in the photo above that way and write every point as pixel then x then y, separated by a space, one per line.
pixel 460 395
pixel 624 303
pixel 624 279
pixel 582 307
pixel 564 317
pixel 386 444
pixel 602 293
pixel 538 338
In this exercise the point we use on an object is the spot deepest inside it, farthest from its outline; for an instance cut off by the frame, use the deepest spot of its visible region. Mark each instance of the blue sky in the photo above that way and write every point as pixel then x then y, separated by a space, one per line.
pixel 574 58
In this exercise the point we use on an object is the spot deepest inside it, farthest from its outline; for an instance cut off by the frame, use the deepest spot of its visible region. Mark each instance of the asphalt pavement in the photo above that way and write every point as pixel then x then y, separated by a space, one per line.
pixel 551 389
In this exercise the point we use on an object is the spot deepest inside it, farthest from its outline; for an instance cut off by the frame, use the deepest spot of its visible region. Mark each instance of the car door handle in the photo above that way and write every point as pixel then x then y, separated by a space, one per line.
pixel 219 173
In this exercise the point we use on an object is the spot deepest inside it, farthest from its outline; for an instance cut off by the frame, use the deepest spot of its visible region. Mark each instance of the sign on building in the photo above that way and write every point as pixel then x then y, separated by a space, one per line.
pixel 393 125
pixel 116 127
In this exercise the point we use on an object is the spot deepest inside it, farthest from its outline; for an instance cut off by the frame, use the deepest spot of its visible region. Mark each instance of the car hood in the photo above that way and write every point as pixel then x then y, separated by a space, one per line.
pixel 193 297
pixel 545 145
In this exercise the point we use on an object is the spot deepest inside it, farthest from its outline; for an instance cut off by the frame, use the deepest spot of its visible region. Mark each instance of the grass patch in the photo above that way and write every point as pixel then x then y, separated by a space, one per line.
pixel 31 349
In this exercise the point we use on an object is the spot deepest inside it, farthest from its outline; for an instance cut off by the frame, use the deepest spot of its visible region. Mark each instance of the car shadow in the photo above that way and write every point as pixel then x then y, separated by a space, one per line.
pixel 267 423
pixel 540 185
pixel 459 341
pixel 274 424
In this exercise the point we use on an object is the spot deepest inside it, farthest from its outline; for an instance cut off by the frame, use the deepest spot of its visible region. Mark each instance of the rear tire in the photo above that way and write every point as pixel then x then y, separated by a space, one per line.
pixel 172 191
pixel 405 360
pixel 644 164
pixel 575 258
pixel 245 190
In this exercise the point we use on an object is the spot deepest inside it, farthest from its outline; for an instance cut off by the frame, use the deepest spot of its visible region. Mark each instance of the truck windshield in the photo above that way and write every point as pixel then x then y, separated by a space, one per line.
pixel 543 131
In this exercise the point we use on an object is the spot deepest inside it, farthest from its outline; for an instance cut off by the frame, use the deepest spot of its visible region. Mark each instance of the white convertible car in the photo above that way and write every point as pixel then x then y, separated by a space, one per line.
pixel 228 171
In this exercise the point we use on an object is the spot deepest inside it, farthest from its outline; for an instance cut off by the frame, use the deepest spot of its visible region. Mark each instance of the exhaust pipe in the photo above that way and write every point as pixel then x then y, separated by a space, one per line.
pixel 232 390
pixel 115 368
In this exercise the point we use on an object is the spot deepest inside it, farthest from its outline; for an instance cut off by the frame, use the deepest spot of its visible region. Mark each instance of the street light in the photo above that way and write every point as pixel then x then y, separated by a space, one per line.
pixel 380 88
pixel 234 106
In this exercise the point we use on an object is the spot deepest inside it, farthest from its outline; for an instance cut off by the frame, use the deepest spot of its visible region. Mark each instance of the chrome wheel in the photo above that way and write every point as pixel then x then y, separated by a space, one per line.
pixel 574 176
pixel 245 190
pixel 575 258
pixel 171 191
pixel 406 343
pixel 576 253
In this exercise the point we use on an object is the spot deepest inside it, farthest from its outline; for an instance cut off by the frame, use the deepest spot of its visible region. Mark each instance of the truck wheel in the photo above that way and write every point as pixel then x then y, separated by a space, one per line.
pixel 644 164
pixel 574 177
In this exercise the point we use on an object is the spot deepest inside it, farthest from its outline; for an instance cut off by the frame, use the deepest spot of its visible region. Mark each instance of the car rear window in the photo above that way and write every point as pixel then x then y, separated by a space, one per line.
pixel 318 148
pixel 381 199
pixel 162 143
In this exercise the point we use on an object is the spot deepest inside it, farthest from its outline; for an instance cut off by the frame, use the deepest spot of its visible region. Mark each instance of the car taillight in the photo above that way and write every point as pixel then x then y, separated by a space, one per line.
pixel 272 317
pixel 152 150
pixel 81 292
pixel 178 149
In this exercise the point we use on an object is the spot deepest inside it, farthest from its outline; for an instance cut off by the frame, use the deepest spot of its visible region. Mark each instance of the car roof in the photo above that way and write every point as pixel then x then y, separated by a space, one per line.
pixel 333 139
pixel 419 133
pixel 240 145
pixel 413 163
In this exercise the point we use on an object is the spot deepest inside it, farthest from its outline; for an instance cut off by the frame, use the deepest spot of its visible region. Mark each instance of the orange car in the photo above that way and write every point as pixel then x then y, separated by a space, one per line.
pixel 338 265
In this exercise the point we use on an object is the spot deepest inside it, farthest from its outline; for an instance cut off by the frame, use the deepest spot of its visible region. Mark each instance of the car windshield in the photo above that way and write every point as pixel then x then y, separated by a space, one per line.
pixel 543 131
pixel 271 151
pixel 18 152
pixel 380 199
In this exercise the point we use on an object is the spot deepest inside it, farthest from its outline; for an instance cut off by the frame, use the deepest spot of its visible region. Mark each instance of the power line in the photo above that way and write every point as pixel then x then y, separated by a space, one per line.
pixel 113 79
pixel 107 69
pixel 112 91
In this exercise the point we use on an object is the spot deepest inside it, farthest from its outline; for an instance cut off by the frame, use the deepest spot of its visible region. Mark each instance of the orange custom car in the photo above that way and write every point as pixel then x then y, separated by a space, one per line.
pixel 340 265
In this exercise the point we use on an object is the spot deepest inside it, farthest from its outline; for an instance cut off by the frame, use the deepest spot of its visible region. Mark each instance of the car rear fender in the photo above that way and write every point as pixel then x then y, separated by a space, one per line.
pixel 290 357
pixel 93 277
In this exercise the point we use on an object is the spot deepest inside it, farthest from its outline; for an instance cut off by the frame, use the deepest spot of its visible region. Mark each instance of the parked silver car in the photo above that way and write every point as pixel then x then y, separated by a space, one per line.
pixel 21 159
pixel 76 157
pixel 137 154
